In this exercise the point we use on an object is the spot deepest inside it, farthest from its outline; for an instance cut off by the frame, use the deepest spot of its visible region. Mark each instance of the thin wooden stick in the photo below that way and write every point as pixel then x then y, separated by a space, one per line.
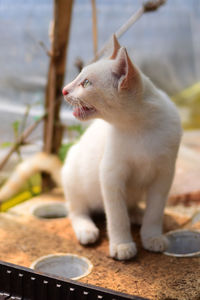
pixel 59 37
pixel 20 141
pixel 146 7
pixel 94 28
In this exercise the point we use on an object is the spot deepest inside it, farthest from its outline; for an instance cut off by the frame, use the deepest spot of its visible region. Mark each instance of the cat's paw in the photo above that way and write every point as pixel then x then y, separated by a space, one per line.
pixel 155 243
pixel 87 236
pixel 123 251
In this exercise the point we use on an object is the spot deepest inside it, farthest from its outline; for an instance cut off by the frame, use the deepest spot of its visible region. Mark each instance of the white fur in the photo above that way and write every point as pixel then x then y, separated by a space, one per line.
pixel 127 154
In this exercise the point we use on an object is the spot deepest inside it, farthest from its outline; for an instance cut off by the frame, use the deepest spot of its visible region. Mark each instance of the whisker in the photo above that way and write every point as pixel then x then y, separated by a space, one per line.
pixel 77 102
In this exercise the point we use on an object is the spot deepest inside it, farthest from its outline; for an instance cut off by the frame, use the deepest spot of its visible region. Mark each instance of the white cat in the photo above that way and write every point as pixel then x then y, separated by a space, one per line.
pixel 128 154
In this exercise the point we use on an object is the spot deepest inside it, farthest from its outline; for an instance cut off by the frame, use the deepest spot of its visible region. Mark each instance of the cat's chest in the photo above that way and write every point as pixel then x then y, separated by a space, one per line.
pixel 135 154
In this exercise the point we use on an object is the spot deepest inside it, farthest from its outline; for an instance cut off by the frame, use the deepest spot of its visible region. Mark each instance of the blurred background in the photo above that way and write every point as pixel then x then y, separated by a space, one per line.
pixel 165 44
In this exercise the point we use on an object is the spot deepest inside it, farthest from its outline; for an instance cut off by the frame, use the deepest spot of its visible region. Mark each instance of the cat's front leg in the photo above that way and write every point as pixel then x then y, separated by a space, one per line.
pixel 151 231
pixel 112 180
pixel 78 209
pixel 84 228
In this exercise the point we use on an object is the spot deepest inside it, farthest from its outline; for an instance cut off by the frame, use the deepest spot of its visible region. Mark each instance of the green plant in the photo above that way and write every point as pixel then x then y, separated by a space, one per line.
pixel 78 130
pixel 19 127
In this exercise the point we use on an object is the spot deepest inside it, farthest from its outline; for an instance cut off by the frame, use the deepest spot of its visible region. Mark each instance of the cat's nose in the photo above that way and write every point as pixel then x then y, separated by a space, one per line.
pixel 65 92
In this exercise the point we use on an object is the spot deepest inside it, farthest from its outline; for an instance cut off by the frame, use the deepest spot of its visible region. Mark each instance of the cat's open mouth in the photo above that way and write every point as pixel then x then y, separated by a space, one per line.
pixel 83 112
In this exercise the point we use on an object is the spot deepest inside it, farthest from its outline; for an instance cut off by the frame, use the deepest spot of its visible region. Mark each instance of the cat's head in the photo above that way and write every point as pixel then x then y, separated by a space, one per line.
pixel 105 88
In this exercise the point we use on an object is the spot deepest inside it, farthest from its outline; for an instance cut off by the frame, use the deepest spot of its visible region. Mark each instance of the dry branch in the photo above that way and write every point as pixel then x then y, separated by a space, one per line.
pixel 146 7
pixel 79 64
pixel 20 141
pixel 153 5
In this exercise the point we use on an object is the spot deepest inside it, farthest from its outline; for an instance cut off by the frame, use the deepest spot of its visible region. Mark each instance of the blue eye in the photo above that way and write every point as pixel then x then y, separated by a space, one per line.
pixel 85 83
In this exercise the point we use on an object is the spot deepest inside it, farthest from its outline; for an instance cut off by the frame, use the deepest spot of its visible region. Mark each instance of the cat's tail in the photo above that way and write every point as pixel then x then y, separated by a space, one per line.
pixel 40 162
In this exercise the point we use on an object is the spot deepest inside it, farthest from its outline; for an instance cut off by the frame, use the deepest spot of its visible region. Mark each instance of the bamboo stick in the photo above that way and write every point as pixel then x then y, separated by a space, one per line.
pixel 52 135
pixel 56 73
pixel 94 27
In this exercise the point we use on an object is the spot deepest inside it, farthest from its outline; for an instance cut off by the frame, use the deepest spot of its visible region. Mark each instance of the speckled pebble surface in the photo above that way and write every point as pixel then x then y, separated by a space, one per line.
pixel 24 238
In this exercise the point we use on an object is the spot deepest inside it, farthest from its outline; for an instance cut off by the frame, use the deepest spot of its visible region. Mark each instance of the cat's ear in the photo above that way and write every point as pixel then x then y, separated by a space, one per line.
pixel 116 47
pixel 124 70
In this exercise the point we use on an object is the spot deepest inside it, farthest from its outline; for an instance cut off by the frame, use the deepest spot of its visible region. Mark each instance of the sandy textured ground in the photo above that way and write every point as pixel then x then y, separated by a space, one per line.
pixel 24 238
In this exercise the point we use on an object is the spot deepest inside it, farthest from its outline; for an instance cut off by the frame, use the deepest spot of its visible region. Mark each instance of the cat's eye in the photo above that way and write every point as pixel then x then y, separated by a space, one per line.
pixel 85 83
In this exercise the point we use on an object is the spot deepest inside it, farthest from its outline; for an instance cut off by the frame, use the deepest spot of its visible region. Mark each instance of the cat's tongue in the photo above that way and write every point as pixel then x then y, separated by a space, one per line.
pixel 78 112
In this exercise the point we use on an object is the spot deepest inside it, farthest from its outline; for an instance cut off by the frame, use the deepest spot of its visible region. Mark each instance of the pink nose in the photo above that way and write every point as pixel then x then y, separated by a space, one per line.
pixel 65 92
